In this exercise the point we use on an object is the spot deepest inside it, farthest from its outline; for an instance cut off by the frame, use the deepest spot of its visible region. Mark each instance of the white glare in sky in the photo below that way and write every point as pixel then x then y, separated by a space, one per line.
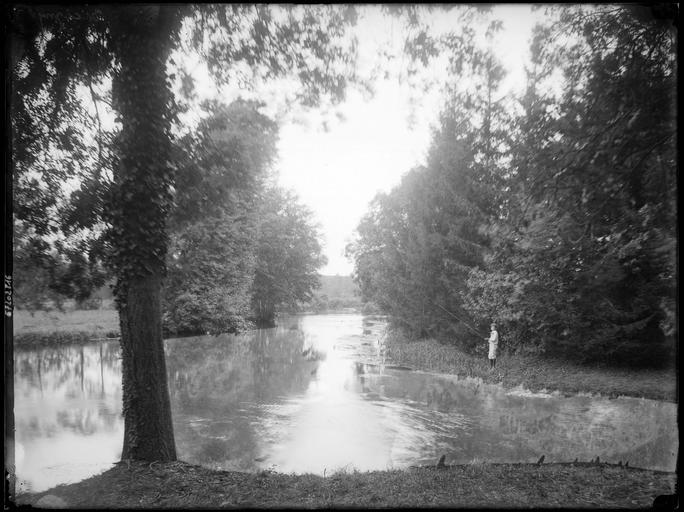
pixel 338 172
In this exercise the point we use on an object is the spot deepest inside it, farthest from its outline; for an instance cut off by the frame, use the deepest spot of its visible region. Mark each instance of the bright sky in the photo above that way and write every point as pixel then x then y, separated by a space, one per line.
pixel 336 170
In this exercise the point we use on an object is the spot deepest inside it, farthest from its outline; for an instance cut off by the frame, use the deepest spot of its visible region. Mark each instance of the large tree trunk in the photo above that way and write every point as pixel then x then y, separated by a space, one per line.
pixel 141 39
pixel 148 430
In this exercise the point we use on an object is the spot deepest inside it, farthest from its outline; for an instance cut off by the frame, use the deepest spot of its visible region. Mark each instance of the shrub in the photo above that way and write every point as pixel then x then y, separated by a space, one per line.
pixel 212 311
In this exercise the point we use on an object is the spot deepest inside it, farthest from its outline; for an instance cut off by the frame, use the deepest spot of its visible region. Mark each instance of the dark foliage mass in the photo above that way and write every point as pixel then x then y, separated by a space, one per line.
pixel 240 248
pixel 288 256
pixel 213 226
pixel 558 222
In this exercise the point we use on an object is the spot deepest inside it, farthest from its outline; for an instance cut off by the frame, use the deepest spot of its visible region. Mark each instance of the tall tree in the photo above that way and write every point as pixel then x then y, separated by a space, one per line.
pixel 210 273
pixel 589 246
pixel 240 249
pixel 142 40
pixel 55 50
pixel 416 246
pixel 288 256
pixel 222 168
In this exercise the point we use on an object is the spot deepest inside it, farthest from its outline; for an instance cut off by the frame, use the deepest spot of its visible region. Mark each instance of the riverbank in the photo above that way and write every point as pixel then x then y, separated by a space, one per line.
pixel 533 372
pixel 56 328
pixel 180 485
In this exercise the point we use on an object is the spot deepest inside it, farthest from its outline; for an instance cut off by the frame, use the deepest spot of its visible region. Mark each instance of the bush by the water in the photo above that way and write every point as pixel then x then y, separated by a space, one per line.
pixel 212 312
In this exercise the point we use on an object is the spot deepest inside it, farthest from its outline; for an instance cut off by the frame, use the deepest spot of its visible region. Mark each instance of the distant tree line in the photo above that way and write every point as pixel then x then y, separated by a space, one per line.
pixel 337 293
pixel 552 213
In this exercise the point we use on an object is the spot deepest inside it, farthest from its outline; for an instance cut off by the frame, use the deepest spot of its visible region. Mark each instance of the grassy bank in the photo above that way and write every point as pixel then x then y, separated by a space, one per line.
pixel 44 328
pixel 533 372
pixel 179 485
pixel 97 321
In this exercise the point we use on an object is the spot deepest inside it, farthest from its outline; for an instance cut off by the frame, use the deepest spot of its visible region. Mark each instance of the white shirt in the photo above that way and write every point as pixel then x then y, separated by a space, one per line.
pixel 494 338
pixel 493 344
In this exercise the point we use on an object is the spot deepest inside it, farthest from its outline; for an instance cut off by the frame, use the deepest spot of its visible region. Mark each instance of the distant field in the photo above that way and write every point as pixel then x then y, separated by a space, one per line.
pixel 97 321
pixel 105 319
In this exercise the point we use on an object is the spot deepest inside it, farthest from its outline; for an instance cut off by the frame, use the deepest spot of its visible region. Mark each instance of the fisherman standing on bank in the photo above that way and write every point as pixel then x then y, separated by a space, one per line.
pixel 493 345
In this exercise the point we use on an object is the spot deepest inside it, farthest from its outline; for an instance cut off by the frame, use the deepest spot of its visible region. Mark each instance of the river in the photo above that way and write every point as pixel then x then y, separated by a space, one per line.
pixel 314 394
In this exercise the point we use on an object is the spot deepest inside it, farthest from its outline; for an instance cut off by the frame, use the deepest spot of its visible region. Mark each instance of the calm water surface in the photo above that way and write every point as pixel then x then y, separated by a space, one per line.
pixel 313 395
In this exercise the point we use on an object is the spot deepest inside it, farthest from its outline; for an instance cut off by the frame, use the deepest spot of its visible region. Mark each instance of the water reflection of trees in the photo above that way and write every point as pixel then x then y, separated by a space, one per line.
pixel 72 388
pixel 66 364
pixel 506 426
pixel 221 385
pixel 218 385
pixel 216 371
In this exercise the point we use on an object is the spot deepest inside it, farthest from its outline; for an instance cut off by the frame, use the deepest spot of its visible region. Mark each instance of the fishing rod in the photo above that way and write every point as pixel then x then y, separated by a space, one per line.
pixel 457 318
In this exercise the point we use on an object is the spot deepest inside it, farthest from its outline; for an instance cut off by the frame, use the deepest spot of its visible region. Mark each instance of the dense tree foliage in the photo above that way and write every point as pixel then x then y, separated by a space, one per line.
pixel 560 222
pixel 590 248
pixel 240 249
pixel 211 268
pixel 224 164
pixel 288 256
pixel 417 244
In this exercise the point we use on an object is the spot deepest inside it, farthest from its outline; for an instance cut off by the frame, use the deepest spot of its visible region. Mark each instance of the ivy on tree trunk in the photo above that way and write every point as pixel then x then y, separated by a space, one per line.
pixel 140 204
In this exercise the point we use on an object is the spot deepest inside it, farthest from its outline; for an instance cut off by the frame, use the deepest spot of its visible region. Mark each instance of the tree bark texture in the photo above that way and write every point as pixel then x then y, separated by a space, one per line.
pixel 142 39
pixel 148 427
